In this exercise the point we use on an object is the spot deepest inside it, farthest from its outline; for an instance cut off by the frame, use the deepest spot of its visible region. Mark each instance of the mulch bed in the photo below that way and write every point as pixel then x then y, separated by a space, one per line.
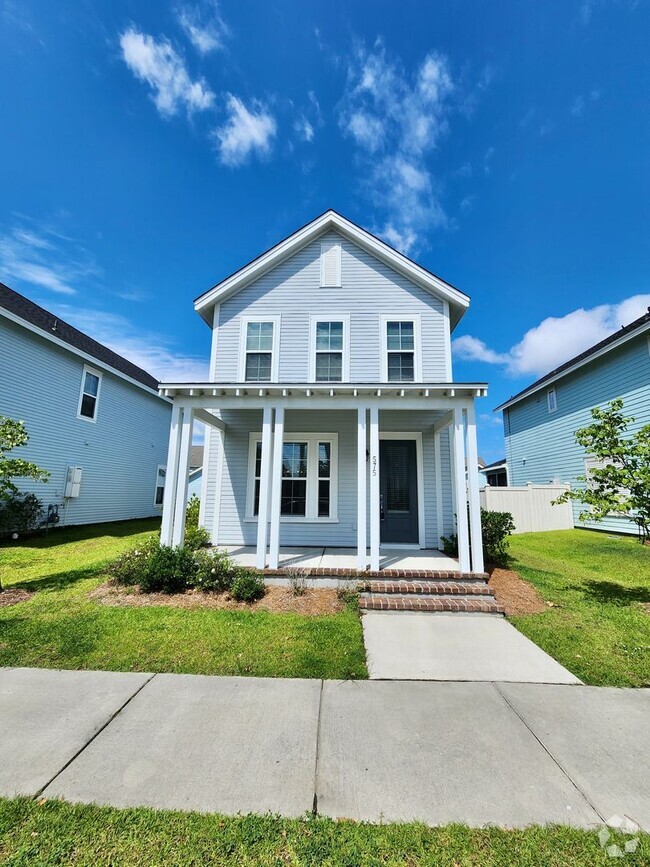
pixel 516 595
pixel 314 601
pixel 13 597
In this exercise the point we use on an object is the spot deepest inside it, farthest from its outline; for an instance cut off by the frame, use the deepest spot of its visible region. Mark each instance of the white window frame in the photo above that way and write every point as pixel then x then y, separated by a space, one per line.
pixel 315 318
pixel 417 345
pixel 551 403
pixel 99 375
pixel 275 351
pixel 312 440
pixel 156 485
pixel 330 244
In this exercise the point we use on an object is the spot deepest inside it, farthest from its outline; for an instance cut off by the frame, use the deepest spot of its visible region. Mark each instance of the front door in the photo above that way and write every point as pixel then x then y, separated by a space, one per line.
pixel 398 482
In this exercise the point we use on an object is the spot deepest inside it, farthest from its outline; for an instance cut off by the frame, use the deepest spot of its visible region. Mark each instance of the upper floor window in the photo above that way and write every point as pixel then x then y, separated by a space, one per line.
pixel 259 356
pixel 89 396
pixel 551 399
pixel 329 355
pixel 400 343
pixel 330 263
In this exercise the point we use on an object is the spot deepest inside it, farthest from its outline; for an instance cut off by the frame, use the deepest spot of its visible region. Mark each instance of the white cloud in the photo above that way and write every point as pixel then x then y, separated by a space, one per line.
pixel 579 104
pixel 159 65
pixel 304 129
pixel 245 133
pixel 556 339
pixel 204 26
pixel 396 119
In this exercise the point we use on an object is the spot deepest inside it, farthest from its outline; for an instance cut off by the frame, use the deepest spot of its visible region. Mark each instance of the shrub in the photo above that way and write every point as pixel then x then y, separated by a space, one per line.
pixel 196 537
pixel 495 529
pixel 297 580
pixel 348 591
pixel 214 571
pixel 450 545
pixel 192 513
pixel 168 570
pixel 20 513
pixel 130 568
pixel 247 586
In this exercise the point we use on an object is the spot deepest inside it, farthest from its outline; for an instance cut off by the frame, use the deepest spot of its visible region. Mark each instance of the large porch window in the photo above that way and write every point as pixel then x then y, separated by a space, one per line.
pixel 309 464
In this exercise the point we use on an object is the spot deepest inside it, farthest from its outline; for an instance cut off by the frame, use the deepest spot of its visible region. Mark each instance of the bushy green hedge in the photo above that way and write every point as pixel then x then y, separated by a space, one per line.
pixel 495 529
pixel 20 513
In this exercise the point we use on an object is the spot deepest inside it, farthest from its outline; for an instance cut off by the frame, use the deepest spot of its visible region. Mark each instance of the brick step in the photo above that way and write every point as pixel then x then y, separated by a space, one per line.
pixel 465 604
pixel 430 588
pixel 384 574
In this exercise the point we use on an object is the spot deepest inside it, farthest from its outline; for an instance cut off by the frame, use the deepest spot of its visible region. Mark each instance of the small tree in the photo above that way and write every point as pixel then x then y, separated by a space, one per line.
pixel 622 485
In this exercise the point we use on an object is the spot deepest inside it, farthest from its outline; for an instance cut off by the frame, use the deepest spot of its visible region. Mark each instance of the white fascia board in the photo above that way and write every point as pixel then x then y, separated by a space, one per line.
pixel 547 383
pixel 93 360
pixel 304 236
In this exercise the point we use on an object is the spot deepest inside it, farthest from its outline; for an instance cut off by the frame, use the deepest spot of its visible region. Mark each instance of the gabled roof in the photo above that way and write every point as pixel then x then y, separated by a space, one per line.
pixel 20 308
pixel 612 342
pixel 458 301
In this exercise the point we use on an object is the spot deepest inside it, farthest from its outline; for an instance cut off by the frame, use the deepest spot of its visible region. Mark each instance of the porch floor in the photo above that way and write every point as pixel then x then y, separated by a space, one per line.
pixel 346 558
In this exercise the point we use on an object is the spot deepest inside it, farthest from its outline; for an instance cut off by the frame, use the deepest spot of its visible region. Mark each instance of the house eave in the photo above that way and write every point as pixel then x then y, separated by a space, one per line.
pixel 248 391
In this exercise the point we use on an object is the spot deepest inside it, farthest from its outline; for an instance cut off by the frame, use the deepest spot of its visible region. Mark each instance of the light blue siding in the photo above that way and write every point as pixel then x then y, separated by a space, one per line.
pixel 119 453
pixel 541 446
pixel 194 485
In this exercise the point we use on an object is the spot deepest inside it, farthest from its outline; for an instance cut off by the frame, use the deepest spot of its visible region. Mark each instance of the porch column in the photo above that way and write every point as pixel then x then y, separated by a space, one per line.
pixel 362 485
pixel 440 526
pixel 178 533
pixel 473 488
pixel 171 475
pixel 375 524
pixel 461 491
pixel 265 474
pixel 276 488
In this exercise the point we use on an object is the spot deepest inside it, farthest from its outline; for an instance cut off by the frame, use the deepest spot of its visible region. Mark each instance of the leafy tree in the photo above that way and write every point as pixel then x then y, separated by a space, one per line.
pixel 622 485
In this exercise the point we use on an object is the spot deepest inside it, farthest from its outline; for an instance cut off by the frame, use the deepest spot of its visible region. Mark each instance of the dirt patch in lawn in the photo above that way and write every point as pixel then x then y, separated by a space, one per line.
pixel 13 597
pixel 314 601
pixel 516 595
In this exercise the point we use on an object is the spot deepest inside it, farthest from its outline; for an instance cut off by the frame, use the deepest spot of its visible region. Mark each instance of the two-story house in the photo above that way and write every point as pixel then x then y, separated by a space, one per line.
pixel 333 418
pixel 95 420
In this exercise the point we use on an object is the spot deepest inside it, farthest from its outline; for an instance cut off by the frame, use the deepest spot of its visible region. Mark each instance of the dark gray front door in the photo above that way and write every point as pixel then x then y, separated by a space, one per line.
pixel 398 483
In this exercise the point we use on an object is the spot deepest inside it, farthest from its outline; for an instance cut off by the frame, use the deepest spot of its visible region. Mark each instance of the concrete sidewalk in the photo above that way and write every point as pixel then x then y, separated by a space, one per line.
pixel 508 754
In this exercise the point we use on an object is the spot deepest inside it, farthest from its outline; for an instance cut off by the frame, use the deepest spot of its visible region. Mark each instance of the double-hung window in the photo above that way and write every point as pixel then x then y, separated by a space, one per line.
pixel 89 395
pixel 259 348
pixel 329 349
pixel 308 482
pixel 400 342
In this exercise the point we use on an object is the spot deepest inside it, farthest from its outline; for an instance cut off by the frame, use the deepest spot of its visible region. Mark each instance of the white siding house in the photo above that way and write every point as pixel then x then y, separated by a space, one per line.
pixel 331 411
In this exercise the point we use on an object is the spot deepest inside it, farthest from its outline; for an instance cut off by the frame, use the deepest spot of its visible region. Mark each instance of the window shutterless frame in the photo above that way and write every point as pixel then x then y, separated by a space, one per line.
pixel 91 383
pixel 324 342
pixel 256 342
pixel 159 490
pixel 551 400
pixel 399 344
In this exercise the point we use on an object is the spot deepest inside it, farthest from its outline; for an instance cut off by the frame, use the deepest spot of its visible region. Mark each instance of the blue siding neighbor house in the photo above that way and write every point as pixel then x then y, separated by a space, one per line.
pixel 95 421
pixel 540 422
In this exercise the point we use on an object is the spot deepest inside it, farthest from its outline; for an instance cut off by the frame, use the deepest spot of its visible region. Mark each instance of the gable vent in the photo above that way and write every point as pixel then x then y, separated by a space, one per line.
pixel 330 263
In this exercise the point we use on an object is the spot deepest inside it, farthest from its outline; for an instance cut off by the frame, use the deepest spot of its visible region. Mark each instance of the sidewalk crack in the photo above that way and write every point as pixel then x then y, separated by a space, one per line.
pixel 314 807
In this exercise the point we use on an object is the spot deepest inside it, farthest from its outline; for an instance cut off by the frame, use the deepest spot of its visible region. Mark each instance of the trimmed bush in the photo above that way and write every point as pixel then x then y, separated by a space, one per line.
pixel 214 571
pixel 20 513
pixel 196 537
pixel 495 529
pixel 247 586
pixel 169 570
pixel 131 567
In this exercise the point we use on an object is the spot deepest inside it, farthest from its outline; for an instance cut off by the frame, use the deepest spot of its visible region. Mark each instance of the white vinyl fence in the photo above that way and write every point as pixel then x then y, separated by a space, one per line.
pixel 530 506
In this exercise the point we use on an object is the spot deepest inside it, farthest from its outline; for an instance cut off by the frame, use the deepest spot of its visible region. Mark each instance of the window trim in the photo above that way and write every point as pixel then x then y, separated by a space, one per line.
pixel 416 319
pixel 156 485
pixel 551 391
pixel 312 439
pixel 275 350
pixel 88 369
pixel 314 319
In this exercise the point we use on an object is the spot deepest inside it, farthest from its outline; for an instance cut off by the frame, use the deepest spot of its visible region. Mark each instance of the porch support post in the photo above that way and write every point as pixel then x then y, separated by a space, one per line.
pixel 440 526
pixel 473 489
pixel 171 475
pixel 362 487
pixel 178 533
pixel 265 473
pixel 461 490
pixel 374 489
pixel 276 488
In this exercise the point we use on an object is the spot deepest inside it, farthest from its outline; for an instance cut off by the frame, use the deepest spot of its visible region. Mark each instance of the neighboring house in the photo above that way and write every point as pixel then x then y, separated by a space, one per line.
pixel 95 421
pixel 540 422
pixel 496 474
pixel 196 472
pixel 332 416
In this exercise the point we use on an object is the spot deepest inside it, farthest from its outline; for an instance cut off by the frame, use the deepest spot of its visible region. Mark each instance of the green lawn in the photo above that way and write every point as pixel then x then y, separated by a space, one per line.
pixel 55 833
pixel 600 630
pixel 60 627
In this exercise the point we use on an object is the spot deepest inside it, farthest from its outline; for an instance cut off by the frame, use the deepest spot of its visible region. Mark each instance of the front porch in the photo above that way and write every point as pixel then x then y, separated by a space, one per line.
pixel 336 560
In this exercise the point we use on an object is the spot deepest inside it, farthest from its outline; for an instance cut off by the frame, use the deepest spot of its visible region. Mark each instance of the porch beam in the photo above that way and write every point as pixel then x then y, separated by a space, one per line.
pixel 461 491
pixel 180 510
pixel 362 488
pixel 265 472
pixel 209 419
pixel 276 488
pixel 444 421
pixel 171 475
pixel 474 495
pixel 375 518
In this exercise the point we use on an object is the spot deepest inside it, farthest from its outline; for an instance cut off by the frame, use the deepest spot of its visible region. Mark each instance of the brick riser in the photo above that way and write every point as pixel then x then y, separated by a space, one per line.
pixel 383 574
pixel 478 605
pixel 430 588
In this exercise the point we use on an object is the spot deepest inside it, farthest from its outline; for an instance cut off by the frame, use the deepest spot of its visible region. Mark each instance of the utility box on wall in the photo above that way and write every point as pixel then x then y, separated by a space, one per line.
pixel 72 482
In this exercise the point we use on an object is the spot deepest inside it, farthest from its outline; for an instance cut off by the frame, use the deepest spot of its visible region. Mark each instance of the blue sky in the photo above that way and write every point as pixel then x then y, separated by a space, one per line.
pixel 150 148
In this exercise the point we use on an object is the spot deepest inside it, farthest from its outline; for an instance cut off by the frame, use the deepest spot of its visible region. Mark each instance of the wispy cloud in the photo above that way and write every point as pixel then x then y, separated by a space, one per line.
pixel 247 132
pixel 204 26
pixel 158 64
pixel 556 339
pixel 396 119
pixel 580 103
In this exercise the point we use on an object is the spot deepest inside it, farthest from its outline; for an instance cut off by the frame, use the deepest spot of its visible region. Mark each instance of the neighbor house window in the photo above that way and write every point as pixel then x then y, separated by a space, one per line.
pixel 159 494
pixel 551 399
pixel 308 483
pixel 259 344
pixel 329 349
pixel 400 342
pixel 89 397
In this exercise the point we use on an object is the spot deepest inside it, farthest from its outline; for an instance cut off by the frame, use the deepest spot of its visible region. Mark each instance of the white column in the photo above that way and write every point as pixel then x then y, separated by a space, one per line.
pixel 375 523
pixel 178 533
pixel 265 474
pixel 473 485
pixel 440 526
pixel 171 475
pixel 362 488
pixel 276 488
pixel 461 490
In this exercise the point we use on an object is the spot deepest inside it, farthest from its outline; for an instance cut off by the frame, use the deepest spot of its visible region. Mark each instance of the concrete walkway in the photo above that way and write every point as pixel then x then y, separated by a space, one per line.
pixel 509 754
pixel 409 645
